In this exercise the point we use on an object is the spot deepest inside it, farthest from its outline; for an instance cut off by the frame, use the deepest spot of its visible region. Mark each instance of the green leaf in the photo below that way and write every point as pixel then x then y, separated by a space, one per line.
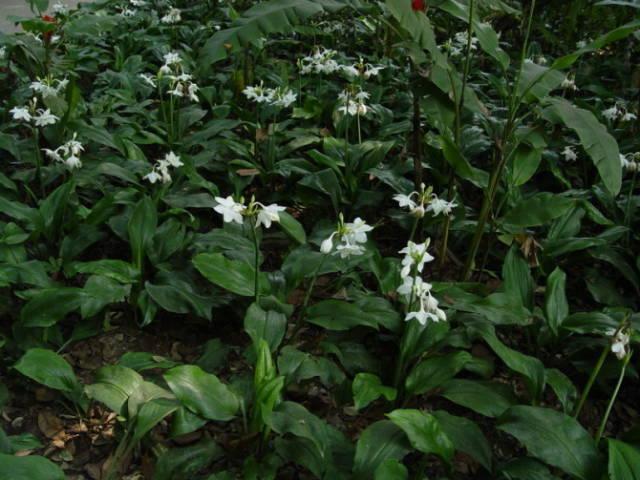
pixel 518 281
pixel 53 208
pixel 391 470
pixel 424 432
pixel 434 371
pixel 261 20
pixel 596 140
pixel 339 315
pixel 49 306
pixel 237 277
pixel 624 461
pixel 202 393
pixel 118 270
pixel 178 296
pixel 556 306
pixel 49 369
pixel 184 463
pixel 378 443
pixel 29 468
pixel 563 388
pixel 526 161
pixel 466 437
pixel 267 325
pixel 113 386
pixel 292 227
pixel 141 228
pixel 150 414
pixel 486 398
pixel 538 81
pixel 461 165
pixel 530 367
pixel 554 438
pixel 537 210
pixel 368 387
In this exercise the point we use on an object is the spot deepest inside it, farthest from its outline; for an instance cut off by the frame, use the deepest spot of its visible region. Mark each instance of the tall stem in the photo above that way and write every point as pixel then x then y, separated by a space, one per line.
pixel 592 379
pixel 36 139
pixel 502 156
pixel 256 286
pixel 417 131
pixel 627 210
pixel 605 419
pixel 307 296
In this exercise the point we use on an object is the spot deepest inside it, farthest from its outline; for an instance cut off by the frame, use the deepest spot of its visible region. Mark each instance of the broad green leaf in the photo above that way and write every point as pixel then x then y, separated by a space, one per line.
pixel 292 227
pixel 596 140
pixel 537 210
pixel 526 468
pixel 556 305
pixel 624 461
pixel 368 387
pixel 49 369
pixel 237 277
pixel 202 393
pixel 297 366
pixel 185 462
pixel 530 367
pixel 150 414
pixel 538 81
pixel 114 385
pixel 424 432
pixel 526 160
pixel 554 438
pixel 518 281
pixel 461 165
pixel 53 208
pixel 339 315
pixel 434 371
pixel 141 228
pixel 49 306
pixel 563 388
pixel 29 468
pixel 378 443
pixel 119 270
pixel 466 437
pixel 178 296
pixel 267 325
pixel 486 398
pixel 391 470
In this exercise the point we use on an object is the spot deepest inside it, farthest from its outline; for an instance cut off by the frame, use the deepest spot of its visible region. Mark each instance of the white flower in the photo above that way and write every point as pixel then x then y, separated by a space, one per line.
pixel 350 70
pixel 138 3
pixel 73 162
pixel 53 154
pixel 284 98
pixel 320 62
pixel 160 172
pixel 630 165
pixel 60 8
pixel 230 210
pixel 440 206
pixel 172 58
pixel 327 244
pixel 268 214
pixel 569 154
pixel 611 113
pixel 619 343
pixel 357 231
pixel 582 43
pixel 128 12
pixel 405 200
pixel 49 87
pixel 173 160
pixel 44 118
pixel 152 177
pixel 20 113
pixel 149 79
pixel 173 16
pixel 628 117
pixel 259 94
pixel 415 289
pixel 69 153
pixel 346 250
pixel 353 104
pixel 415 254
pixel 372 71
pixel 3 53
pixel 349 236
pixel 569 84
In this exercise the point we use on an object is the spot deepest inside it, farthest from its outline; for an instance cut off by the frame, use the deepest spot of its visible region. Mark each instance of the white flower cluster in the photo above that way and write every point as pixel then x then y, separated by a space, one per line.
pixel 172 17
pixel 349 238
pixel 630 162
pixel 68 154
pixel 320 62
pixel 160 172
pixel 569 154
pixel 458 44
pixel 569 84
pixel 424 201
pixel 180 83
pixel 49 86
pixel 619 342
pixel 60 8
pixel 353 104
pixel 233 212
pixel 362 69
pixel 414 288
pixel 617 112
pixel 276 97
pixel 40 117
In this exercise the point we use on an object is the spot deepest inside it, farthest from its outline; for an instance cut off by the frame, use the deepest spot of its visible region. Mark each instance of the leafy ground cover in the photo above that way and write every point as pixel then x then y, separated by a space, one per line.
pixel 335 239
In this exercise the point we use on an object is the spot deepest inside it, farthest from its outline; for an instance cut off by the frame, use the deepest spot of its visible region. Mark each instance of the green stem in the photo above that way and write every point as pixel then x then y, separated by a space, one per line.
pixel 445 242
pixel 307 296
pixel 36 138
pixel 256 286
pixel 605 419
pixel 592 379
pixel 627 210
pixel 414 228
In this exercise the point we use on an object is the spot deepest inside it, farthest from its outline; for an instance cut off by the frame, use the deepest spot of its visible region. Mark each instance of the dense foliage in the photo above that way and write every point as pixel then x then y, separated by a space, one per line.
pixel 320 239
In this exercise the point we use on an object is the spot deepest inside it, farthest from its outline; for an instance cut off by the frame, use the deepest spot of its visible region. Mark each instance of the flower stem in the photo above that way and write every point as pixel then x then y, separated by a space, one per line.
pixel 627 210
pixel 592 379
pixel 307 296
pixel 605 419
pixel 256 247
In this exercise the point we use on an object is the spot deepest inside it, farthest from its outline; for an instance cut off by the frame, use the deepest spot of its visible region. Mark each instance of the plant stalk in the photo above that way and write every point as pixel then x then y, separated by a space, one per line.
pixel 605 419
pixel 592 379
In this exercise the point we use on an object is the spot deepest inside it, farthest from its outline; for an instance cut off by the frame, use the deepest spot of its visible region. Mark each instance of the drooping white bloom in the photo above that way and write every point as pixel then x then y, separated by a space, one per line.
pixel 284 98
pixel 320 62
pixel 230 210
pixel 259 93
pixel 3 53
pixel 619 343
pixel 60 8
pixel 161 172
pixel 268 214
pixel 43 118
pixel 20 113
pixel 172 17
pixel 68 153
pixel 405 200
pixel 149 79
pixel 349 236
pixel 128 12
pixel 353 104
pixel 458 45
pixel 350 70
pixel 138 3
pixel 612 113
pixel 569 84
pixel 629 163
pixel 440 206
pixel 372 70
pixel 49 87
pixel 172 58
pixel 629 116
pixel 415 255
pixel 414 289
pixel 569 154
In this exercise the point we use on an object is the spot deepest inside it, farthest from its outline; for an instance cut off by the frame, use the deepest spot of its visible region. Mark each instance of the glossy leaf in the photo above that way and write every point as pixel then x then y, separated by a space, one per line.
pixel 424 432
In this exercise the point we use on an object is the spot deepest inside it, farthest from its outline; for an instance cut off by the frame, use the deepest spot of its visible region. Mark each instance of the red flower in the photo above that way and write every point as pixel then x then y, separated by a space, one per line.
pixel 46 36
pixel 48 18
pixel 417 5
